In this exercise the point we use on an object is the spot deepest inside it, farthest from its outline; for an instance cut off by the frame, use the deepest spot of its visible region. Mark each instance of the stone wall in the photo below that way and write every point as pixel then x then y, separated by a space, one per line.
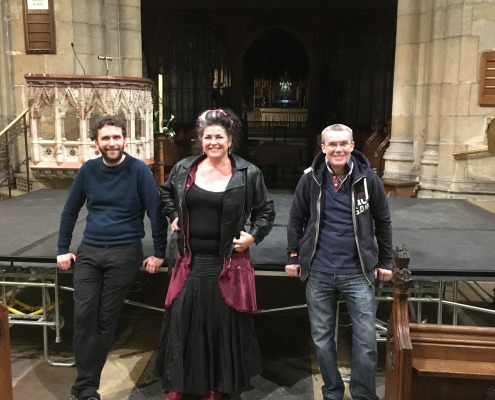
pixel 85 30
pixel 439 131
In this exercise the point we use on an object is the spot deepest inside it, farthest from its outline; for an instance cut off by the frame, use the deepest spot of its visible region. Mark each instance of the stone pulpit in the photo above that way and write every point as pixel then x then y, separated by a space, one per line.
pixel 62 109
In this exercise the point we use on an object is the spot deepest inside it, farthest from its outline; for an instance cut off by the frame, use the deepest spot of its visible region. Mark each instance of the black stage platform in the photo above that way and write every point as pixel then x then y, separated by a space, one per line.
pixel 447 239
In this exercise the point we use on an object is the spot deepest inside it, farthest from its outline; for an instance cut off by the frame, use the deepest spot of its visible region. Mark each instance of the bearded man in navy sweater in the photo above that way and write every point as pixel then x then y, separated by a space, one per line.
pixel 340 241
pixel 118 189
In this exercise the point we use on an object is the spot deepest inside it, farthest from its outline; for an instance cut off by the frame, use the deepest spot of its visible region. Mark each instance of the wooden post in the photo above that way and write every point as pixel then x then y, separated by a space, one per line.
pixel 165 157
pixel 5 362
pixel 399 347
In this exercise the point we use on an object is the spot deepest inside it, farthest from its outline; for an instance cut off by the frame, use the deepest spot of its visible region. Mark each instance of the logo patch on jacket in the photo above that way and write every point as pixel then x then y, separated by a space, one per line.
pixel 361 203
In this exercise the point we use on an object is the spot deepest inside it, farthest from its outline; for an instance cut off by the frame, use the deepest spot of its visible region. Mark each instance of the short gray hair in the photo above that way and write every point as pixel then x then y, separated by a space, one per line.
pixel 336 128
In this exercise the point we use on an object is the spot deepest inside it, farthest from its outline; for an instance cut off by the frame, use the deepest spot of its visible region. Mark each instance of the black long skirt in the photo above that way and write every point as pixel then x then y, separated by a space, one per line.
pixel 205 344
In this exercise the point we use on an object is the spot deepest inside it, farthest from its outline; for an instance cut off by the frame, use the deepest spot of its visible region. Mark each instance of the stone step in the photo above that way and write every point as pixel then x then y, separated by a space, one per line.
pixel 4 193
pixel 22 182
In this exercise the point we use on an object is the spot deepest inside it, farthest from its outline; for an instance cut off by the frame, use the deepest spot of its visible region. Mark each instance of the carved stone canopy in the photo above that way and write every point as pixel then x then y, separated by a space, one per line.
pixel 61 109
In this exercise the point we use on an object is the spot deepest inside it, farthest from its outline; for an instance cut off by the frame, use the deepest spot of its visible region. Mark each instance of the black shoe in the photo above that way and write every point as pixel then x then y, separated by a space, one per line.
pixel 73 397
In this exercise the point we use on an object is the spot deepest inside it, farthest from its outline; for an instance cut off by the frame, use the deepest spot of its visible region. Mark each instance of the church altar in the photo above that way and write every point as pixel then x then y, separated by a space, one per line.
pixel 284 114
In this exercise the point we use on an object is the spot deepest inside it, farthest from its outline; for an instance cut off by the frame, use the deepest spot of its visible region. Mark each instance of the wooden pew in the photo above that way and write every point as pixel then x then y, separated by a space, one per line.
pixel 437 362
pixel 375 146
pixel 452 362
pixel 5 361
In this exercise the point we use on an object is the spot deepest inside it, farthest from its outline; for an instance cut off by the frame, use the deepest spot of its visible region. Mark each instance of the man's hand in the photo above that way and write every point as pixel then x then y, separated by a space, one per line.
pixel 64 261
pixel 383 274
pixel 293 270
pixel 153 264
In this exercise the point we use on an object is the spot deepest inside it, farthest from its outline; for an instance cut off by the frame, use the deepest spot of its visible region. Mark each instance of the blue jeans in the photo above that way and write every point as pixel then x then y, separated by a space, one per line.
pixel 322 290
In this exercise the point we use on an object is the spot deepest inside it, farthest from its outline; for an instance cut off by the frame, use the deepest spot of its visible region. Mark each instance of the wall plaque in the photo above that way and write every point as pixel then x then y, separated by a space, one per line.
pixel 487 79
pixel 39 26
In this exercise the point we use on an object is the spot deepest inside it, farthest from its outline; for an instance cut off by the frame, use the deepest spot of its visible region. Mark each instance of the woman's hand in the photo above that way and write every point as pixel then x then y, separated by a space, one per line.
pixel 245 240
pixel 293 270
pixel 175 224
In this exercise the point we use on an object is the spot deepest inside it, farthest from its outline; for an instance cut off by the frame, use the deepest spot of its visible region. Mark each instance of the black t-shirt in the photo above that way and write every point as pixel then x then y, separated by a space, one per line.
pixel 205 217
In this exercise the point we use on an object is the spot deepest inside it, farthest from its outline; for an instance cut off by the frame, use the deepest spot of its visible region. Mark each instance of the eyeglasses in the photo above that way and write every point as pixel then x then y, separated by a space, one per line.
pixel 334 145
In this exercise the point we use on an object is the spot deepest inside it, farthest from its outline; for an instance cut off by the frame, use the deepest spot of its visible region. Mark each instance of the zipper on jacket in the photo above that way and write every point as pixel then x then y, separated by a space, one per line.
pixel 241 225
pixel 185 214
pixel 318 218
pixel 354 224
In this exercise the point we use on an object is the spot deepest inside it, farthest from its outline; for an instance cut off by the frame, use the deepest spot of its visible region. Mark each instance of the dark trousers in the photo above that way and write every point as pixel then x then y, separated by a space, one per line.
pixel 102 278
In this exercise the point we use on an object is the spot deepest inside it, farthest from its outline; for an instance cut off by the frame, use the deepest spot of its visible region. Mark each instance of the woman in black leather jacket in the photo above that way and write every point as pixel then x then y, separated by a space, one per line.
pixel 208 344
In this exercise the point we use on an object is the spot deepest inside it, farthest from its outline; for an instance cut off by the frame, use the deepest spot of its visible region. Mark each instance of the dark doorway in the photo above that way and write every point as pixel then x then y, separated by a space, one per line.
pixel 357 79
pixel 274 55
pixel 275 87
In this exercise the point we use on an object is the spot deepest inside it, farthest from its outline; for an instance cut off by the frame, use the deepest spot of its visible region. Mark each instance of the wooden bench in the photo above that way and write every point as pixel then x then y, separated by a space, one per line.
pixel 452 362
pixel 437 362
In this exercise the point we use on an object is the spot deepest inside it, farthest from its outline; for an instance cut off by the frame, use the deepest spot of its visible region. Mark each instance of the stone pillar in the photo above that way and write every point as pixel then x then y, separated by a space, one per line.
pixel 130 38
pixel 6 101
pixel 455 123
pixel 83 138
pixel 399 157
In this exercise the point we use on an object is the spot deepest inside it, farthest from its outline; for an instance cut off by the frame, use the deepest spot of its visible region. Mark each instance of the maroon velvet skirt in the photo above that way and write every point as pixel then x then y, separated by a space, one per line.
pixel 205 344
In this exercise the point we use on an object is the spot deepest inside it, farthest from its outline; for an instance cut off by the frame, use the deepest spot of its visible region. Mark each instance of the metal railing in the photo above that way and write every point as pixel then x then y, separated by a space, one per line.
pixel 8 140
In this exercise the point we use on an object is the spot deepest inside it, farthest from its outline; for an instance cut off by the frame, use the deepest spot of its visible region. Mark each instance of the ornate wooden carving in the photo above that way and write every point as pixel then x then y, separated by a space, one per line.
pixel 377 143
pixel 399 348
pixel 430 361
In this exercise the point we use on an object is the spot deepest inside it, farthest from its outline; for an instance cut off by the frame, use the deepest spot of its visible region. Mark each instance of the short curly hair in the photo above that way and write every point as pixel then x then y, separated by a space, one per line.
pixel 108 120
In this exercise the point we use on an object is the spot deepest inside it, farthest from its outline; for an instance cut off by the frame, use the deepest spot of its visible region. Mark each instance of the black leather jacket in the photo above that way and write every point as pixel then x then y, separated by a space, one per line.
pixel 246 195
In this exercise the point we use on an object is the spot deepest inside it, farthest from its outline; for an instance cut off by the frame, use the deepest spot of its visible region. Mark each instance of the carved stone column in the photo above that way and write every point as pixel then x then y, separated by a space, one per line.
pixel 399 157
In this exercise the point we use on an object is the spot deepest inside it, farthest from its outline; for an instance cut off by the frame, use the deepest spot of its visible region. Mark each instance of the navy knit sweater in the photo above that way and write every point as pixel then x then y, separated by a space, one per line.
pixel 336 252
pixel 116 199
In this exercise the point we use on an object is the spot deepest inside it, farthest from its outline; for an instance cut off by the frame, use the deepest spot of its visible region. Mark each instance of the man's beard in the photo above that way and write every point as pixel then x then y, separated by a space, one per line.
pixel 111 160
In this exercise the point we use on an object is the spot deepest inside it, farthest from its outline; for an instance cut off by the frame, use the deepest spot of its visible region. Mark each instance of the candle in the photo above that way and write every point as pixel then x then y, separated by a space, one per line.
pixel 160 102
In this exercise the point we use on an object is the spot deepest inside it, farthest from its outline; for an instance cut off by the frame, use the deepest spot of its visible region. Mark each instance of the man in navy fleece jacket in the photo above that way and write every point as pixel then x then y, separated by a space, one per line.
pixel 118 189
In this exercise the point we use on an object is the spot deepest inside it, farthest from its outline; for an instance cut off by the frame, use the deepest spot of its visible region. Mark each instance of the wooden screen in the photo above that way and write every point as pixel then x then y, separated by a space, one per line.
pixel 39 26
pixel 487 82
